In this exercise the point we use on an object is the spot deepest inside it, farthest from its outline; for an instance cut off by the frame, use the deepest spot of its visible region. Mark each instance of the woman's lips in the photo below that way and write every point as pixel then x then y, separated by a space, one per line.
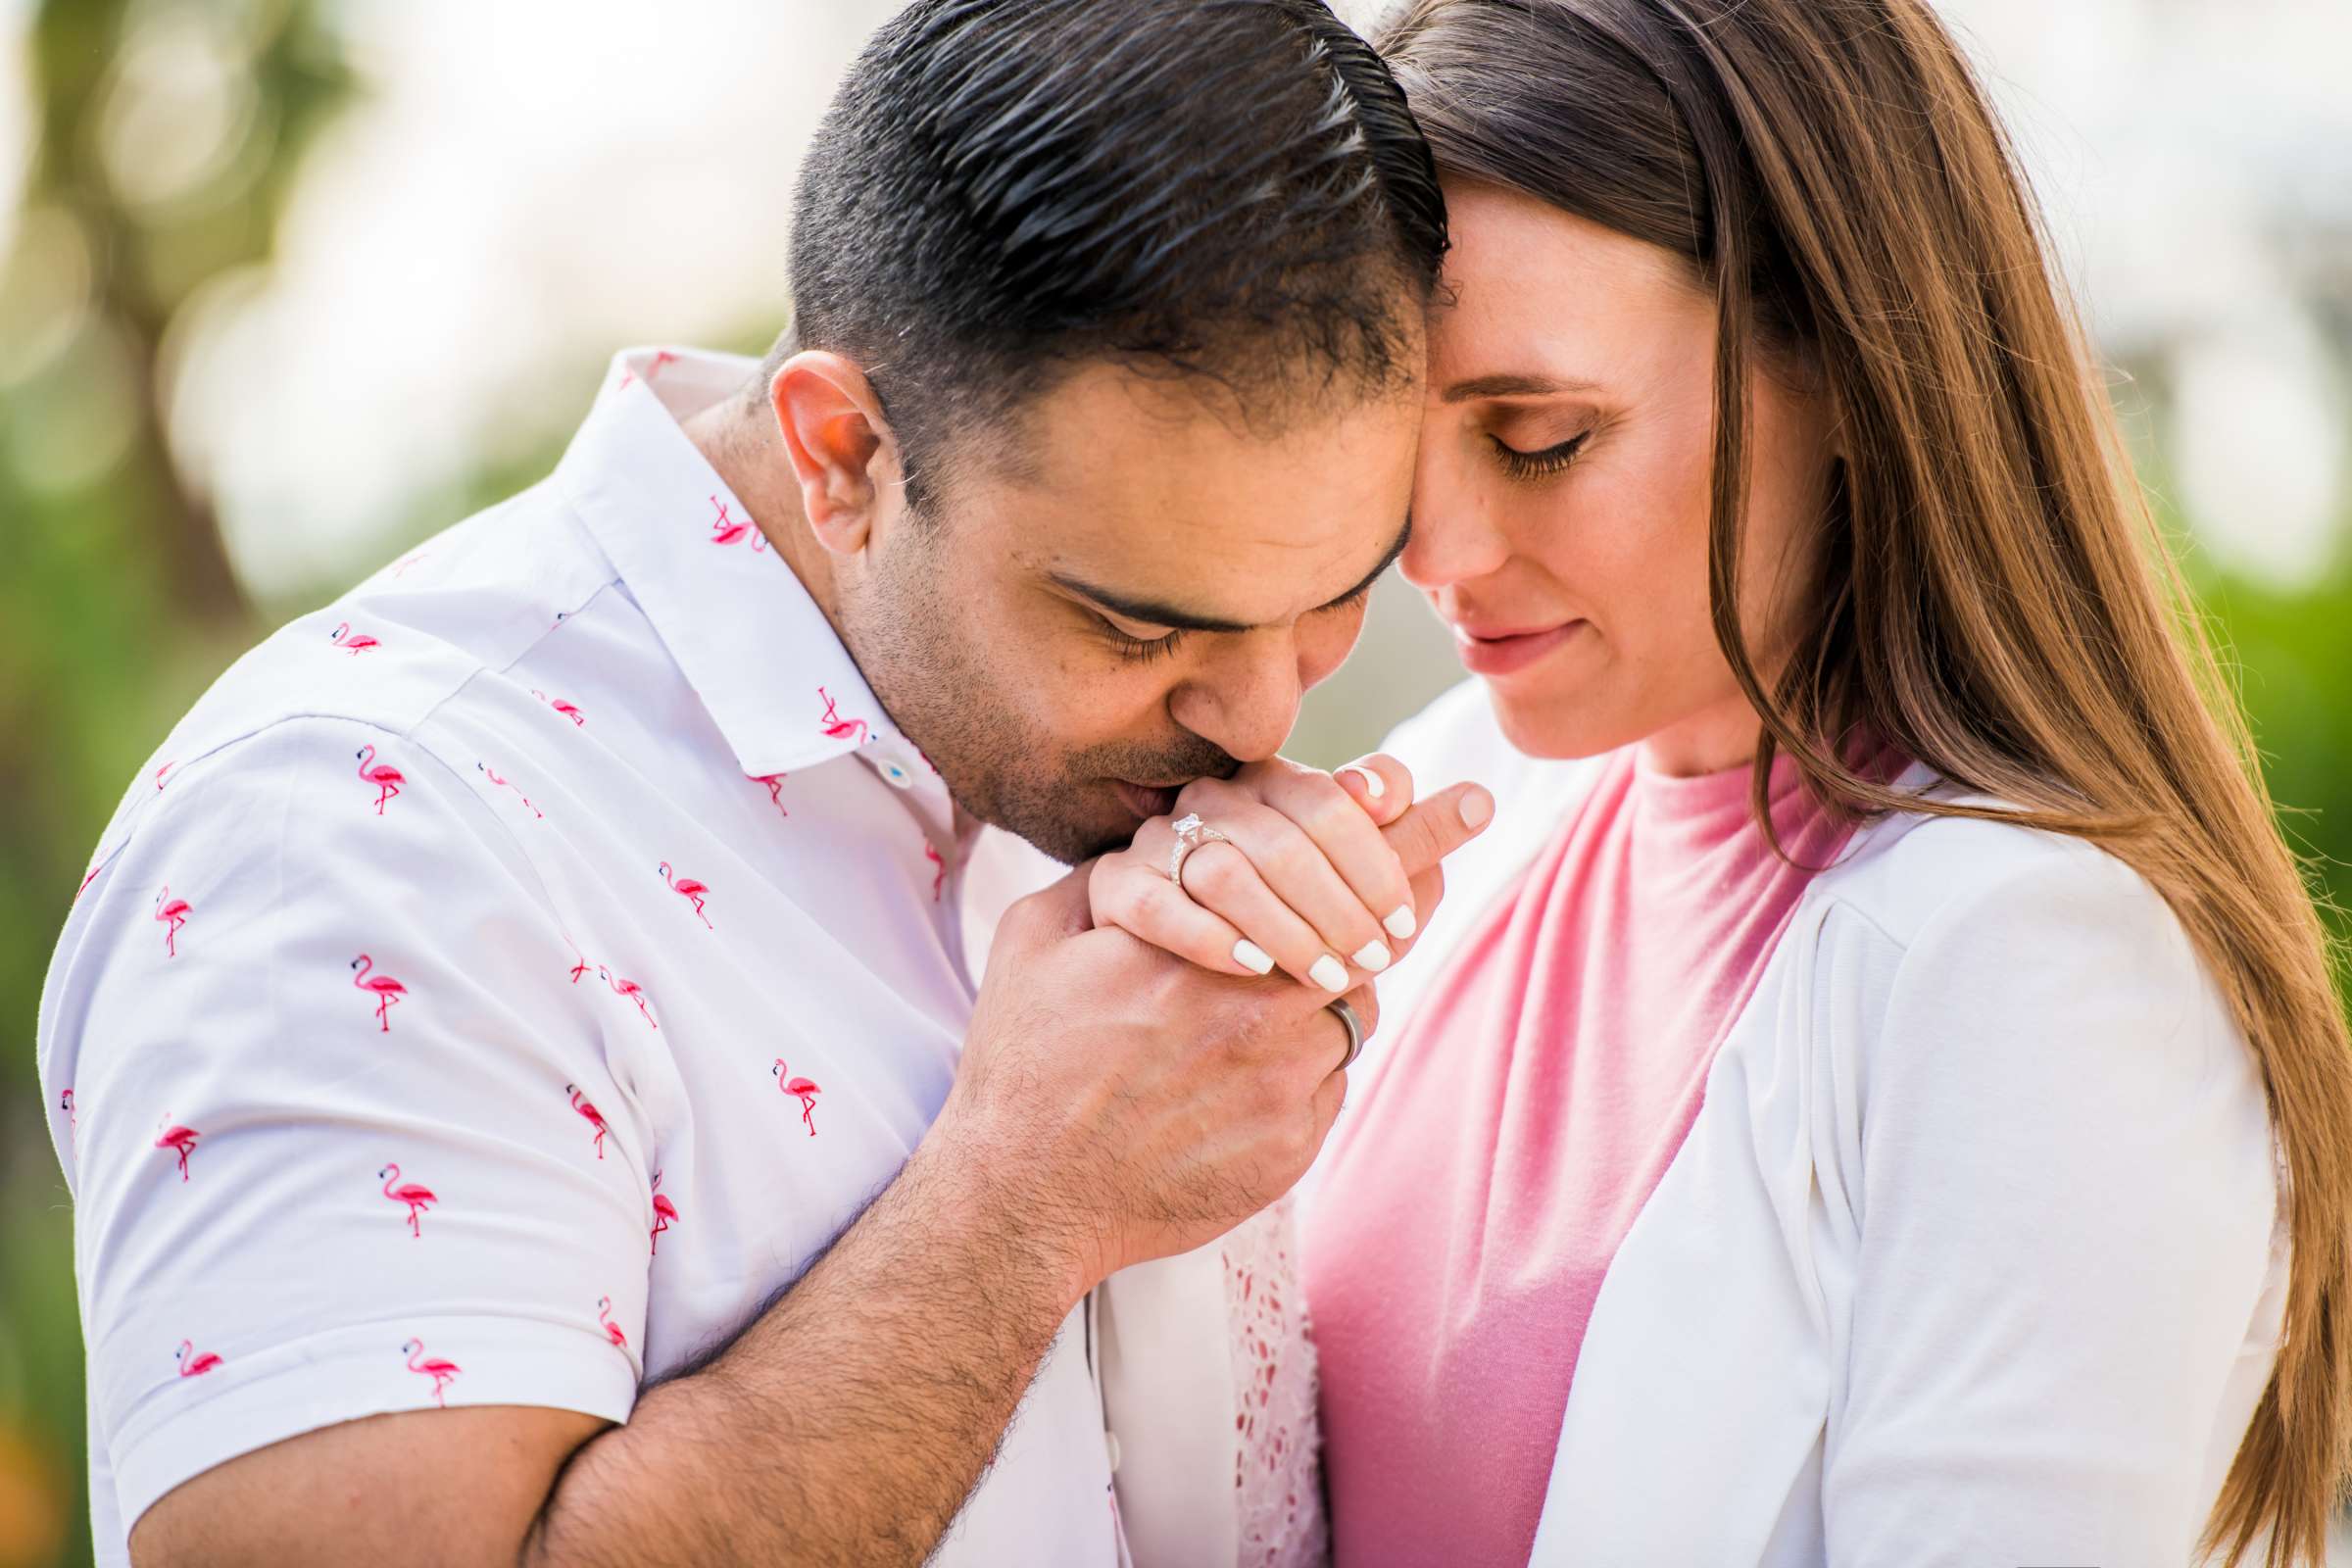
pixel 1146 800
pixel 1505 653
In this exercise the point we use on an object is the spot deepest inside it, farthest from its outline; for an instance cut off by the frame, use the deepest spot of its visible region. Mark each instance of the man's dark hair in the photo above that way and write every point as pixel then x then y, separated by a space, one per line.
pixel 1004 190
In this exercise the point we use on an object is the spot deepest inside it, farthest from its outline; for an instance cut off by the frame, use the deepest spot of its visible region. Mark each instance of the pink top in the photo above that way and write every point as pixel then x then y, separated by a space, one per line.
pixel 1476 1193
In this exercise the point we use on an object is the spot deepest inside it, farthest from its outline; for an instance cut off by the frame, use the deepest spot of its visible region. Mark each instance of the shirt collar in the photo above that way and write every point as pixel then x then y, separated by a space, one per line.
pixel 750 640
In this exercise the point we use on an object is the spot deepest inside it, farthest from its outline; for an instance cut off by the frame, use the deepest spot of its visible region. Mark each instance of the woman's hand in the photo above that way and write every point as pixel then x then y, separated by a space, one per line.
pixel 1327 876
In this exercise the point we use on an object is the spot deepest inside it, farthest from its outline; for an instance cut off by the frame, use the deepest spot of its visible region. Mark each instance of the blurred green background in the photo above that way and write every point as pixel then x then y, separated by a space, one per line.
pixel 289 285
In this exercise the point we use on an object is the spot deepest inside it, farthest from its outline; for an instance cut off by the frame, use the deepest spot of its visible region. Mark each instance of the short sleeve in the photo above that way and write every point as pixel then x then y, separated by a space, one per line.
pixel 2067 1206
pixel 346 1134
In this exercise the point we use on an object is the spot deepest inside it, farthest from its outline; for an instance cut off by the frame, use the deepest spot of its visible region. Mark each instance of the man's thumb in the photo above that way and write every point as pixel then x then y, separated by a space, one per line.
pixel 1055 912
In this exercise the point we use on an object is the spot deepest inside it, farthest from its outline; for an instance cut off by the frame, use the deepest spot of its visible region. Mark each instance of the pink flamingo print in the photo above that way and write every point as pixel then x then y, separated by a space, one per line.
pixel 630 989
pixel 604 1315
pixel 410 561
pixel 86 881
pixel 191 1365
pixel 419 1198
pixel 174 914
pixel 801 1087
pixel 688 889
pixel 839 728
pixel 725 530
pixel 660 359
pixel 386 990
pixel 665 1212
pixel 351 642
pixel 387 780
pixel 438 1369
pixel 775 788
pixel 570 711
pixel 581 964
pixel 939 873
pixel 161 772
pixel 181 1141
pixel 492 777
pixel 65 1102
pixel 595 1117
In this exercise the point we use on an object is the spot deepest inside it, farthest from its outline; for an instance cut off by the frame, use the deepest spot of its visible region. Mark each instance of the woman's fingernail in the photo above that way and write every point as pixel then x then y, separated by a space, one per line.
pixel 1477 807
pixel 1329 973
pixel 1374 785
pixel 1374 956
pixel 1252 958
pixel 1401 922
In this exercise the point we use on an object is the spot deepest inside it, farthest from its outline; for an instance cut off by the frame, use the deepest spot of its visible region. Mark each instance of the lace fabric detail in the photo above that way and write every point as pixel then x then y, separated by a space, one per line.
pixel 1278 1454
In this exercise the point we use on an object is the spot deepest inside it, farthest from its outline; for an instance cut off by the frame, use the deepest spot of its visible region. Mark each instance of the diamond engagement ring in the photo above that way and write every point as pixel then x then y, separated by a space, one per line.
pixel 1191 833
pixel 1355 1032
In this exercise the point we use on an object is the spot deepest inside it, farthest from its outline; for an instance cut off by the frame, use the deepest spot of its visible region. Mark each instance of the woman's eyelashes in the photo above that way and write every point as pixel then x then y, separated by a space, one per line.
pixel 1539 465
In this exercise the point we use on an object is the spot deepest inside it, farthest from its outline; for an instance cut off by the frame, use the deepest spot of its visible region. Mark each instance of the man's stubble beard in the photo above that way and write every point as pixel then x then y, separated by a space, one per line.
pixel 944 694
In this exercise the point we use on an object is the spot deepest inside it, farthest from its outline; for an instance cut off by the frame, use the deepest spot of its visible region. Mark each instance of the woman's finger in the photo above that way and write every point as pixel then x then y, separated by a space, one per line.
pixel 1429 891
pixel 1224 879
pixel 1350 843
pixel 1302 872
pixel 1379 784
pixel 1147 906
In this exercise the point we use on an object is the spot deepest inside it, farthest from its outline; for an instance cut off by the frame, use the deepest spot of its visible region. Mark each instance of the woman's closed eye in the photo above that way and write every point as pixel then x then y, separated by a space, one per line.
pixel 1540 463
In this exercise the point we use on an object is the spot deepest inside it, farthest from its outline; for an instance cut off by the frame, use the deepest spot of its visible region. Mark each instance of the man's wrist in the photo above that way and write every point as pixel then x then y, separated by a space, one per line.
pixel 978 1182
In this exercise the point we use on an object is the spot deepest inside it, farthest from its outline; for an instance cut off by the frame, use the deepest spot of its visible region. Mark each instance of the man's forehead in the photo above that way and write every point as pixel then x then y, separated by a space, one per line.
pixel 1148 493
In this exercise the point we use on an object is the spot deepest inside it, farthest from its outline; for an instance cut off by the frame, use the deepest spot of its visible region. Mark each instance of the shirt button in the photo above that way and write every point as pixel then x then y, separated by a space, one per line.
pixel 1110 1449
pixel 897 776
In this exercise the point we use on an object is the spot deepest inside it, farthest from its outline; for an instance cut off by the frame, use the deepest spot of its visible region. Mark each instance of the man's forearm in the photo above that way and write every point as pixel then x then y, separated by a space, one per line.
pixel 850 1421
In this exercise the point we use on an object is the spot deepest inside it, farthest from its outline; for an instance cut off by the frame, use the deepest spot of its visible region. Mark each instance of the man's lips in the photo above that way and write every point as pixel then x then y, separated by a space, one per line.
pixel 1489 650
pixel 1146 799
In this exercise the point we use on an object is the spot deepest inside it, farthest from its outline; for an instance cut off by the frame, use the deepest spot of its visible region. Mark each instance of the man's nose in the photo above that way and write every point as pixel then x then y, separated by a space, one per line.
pixel 1247 700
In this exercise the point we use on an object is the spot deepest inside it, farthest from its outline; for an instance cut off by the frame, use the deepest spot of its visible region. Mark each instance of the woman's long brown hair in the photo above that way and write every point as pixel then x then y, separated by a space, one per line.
pixel 1994 598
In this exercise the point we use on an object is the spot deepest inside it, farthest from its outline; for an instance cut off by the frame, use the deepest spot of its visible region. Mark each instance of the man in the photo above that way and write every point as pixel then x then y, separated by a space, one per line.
pixel 528 1095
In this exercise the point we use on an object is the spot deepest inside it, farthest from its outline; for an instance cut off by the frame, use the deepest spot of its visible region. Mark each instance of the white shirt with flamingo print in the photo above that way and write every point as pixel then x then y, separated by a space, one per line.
pixel 508 979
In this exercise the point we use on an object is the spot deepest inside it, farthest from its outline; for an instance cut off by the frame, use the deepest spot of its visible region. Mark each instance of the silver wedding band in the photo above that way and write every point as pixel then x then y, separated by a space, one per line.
pixel 1355 1033
pixel 1191 834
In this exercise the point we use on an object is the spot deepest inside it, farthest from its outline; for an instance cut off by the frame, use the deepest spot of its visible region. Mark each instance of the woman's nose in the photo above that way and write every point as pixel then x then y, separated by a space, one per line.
pixel 1454 536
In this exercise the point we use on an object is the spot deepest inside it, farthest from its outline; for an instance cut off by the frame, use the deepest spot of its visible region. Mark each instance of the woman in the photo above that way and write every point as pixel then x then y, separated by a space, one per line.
pixel 1877 1096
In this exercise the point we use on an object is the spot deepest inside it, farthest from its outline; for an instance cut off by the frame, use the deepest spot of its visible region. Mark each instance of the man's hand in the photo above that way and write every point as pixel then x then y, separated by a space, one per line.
pixel 1200 1092
pixel 1129 1104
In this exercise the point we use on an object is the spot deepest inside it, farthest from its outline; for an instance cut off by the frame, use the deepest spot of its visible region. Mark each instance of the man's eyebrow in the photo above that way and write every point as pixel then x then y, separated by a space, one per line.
pixel 1154 614
pixel 1512 386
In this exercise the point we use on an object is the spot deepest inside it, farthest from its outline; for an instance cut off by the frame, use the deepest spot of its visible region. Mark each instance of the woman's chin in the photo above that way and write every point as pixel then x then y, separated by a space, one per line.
pixel 1554 725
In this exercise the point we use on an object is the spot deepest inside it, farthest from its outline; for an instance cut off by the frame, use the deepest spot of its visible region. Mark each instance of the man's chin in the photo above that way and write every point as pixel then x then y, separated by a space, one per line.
pixel 1103 823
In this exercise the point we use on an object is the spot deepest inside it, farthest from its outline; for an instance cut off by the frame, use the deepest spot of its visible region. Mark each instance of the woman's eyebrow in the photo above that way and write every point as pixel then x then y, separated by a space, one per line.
pixel 1513 386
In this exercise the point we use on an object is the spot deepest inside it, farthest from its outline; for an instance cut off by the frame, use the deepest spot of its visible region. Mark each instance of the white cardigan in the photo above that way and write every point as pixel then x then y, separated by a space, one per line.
pixel 1973 1255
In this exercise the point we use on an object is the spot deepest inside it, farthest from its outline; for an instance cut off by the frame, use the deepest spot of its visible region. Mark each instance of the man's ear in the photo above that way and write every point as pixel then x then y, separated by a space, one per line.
pixel 841 444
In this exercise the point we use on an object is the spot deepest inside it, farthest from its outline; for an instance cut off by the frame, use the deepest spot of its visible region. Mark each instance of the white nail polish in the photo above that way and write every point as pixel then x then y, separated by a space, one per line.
pixel 1374 785
pixel 1329 973
pixel 1252 958
pixel 1401 922
pixel 1374 956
